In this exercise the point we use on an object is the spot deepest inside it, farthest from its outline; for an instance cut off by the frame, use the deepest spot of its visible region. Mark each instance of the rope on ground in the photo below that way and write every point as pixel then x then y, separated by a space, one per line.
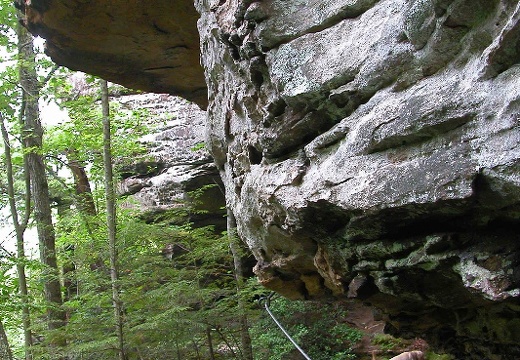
pixel 266 301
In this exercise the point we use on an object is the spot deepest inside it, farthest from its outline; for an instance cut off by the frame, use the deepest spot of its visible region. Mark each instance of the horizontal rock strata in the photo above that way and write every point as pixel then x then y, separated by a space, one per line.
pixel 371 149
pixel 175 167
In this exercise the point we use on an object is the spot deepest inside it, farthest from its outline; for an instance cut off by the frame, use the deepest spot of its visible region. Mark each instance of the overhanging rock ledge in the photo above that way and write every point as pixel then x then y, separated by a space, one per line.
pixel 151 46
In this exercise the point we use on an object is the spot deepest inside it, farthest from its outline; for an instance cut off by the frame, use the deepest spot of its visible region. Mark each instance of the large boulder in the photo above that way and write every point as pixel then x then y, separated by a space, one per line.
pixel 371 149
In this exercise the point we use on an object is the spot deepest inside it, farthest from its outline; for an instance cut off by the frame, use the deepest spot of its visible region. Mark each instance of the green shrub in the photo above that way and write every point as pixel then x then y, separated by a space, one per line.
pixel 318 328
pixel 387 342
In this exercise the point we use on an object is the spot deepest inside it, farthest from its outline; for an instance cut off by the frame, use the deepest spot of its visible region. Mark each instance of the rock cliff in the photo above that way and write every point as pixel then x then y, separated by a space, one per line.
pixel 176 165
pixel 369 149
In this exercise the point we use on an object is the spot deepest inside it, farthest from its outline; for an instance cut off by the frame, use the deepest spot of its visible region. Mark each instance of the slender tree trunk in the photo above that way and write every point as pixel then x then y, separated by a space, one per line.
pixel 178 350
pixel 111 220
pixel 230 347
pixel 236 250
pixel 32 134
pixel 5 349
pixel 84 202
pixel 19 231
pixel 196 348
pixel 82 185
pixel 210 343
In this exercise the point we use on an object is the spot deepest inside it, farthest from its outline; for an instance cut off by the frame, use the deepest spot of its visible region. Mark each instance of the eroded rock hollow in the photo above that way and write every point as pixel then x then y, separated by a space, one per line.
pixel 369 149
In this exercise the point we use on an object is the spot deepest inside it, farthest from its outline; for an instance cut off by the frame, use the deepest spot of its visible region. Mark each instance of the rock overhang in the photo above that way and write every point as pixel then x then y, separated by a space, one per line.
pixel 150 46
pixel 370 149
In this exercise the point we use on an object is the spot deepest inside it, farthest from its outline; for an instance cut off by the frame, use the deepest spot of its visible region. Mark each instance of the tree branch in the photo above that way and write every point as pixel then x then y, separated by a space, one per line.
pixel 49 76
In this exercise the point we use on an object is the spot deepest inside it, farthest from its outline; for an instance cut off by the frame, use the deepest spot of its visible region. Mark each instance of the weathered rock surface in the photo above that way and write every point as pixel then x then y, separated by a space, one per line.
pixel 371 149
pixel 152 46
pixel 176 164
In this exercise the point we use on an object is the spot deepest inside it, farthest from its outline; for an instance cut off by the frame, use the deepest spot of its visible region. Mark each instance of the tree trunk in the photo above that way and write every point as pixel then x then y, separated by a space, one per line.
pixel 19 231
pixel 32 134
pixel 196 348
pixel 229 346
pixel 85 204
pixel 236 250
pixel 5 349
pixel 85 199
pixel 111 220
pixel 178 350
pixel 210 343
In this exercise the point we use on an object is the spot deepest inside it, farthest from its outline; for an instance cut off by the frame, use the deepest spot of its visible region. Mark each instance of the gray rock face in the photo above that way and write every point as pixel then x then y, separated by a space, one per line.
pixel 176 164
pixel 371 149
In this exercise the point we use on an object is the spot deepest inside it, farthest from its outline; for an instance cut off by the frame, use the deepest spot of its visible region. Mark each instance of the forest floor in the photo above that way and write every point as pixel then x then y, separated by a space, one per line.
pixel 375 344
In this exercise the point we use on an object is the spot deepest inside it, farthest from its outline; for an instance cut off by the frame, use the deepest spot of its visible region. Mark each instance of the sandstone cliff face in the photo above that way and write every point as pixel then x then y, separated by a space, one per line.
pixel 369 149
pixel 176 164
